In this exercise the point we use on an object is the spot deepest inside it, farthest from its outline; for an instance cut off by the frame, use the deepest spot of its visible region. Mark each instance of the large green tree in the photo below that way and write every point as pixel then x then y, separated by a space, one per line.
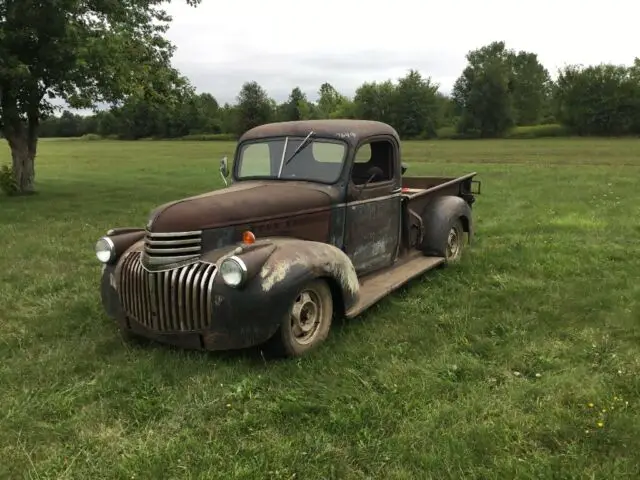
pixel 375 101
pixel 254 107
pixel 297 107
pixel 599 99
pixel 482 93
pixel 500 88
pixel 80 52
pixel 331 103
pixel 415 106
pixel 531 88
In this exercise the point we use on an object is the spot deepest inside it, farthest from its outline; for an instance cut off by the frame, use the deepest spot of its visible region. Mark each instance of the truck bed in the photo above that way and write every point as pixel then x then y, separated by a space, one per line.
pixel 417 192
pixel 415 187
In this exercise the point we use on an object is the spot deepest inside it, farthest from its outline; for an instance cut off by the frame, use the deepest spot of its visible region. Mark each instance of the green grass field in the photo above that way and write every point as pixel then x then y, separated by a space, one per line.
pixel 521 362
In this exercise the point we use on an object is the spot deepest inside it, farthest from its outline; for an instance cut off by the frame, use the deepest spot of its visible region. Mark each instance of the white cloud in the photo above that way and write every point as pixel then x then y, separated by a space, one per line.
pixel 283 43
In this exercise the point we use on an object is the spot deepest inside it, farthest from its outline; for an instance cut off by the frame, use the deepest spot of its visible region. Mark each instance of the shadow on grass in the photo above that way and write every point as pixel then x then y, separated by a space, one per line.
pixel 404 290
pixel 262 354
pixel 251 355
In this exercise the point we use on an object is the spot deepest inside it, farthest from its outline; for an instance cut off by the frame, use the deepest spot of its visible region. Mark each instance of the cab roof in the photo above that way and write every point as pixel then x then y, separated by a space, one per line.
pixel 345 129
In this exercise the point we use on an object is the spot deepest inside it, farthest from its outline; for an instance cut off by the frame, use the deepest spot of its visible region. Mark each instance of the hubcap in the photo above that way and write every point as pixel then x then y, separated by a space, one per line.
pixel 305 316
pixel 453 244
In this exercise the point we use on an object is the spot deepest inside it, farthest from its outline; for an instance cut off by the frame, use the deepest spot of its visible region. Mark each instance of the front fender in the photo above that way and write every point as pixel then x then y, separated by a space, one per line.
pixel 123 239
pixel 109 292
pixel 288 262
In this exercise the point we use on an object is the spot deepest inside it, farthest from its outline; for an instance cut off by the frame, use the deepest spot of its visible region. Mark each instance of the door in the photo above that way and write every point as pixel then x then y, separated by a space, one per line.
pixel 373 210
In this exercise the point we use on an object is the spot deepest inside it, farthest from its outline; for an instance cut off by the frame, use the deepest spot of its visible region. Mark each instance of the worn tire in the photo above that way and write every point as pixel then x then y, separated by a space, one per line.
pixel 455 242
pixel 307 323
pixel 450 245
pixel 443 216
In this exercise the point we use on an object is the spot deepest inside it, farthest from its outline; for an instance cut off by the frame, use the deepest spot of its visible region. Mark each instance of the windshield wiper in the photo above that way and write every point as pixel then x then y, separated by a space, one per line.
pixel 305 143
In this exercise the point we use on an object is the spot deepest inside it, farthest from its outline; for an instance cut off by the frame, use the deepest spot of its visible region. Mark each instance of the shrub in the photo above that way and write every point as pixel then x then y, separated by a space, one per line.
pixel 539 131
pixel 89 137
pixel 7 182
pixel 211 137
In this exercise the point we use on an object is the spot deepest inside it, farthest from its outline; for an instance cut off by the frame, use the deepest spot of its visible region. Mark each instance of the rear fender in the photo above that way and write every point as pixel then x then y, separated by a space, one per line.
pixel 436 217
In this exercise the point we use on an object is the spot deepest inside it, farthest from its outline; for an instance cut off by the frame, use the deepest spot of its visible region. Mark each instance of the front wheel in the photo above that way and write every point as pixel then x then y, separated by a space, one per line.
pixel 307 322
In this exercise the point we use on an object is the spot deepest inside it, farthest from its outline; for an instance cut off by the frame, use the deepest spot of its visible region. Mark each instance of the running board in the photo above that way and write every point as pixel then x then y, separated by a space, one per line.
pixel 379 284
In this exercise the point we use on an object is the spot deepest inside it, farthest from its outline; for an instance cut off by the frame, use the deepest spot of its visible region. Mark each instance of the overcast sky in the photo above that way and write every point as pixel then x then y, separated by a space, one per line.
pixel 284 43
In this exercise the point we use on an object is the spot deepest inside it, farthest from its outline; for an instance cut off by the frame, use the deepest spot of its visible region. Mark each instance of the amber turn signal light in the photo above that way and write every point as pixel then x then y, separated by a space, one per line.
pixel 248 237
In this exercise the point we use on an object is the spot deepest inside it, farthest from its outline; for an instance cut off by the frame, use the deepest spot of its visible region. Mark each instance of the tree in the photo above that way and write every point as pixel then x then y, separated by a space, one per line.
pixel 531 88
pixel 499 89
pixel 83 53
pixel 254 107
pixel 374 101
pixel 330 102
pixel 415 106
pixel 482 93
pixel 297 106
pixel 600 99
pixel 446 110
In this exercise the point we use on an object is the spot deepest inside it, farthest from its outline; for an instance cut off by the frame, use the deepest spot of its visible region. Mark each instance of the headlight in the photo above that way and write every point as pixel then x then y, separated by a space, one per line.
pixel 233 271
pixel 105 250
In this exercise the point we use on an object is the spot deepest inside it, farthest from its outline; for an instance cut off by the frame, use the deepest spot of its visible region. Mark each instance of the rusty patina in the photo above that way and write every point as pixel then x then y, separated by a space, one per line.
pixel 358 226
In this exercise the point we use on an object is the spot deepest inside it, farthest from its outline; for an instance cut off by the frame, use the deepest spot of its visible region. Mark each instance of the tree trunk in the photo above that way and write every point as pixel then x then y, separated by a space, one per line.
pixel 23 164
pixel 21 132
pixel 23 141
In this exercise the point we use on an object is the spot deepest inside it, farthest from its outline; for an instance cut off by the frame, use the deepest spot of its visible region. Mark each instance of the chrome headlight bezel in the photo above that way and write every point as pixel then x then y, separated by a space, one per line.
pixel 238 267
pixel 105 244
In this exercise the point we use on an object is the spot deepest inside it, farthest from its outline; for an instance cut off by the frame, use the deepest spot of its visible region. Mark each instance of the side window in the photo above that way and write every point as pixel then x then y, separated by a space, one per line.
pixel 374 154
pixel 363 155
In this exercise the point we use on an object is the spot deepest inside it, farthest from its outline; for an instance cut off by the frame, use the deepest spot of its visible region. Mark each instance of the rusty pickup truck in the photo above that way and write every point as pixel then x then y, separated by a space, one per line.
pixel 316 222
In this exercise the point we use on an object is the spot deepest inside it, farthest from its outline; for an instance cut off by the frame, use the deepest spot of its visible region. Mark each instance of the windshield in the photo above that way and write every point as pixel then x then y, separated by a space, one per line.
pixel 319 161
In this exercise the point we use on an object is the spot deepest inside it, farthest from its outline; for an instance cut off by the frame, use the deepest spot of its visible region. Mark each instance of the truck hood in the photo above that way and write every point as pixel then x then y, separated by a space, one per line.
pixel 239 203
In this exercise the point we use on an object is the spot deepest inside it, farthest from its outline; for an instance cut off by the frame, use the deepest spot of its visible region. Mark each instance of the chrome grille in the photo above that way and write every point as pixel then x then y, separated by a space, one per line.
pixel 173 300
pixel 165 249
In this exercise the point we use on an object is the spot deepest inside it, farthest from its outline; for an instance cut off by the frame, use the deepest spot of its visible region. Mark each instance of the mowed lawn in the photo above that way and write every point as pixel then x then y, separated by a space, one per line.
pixel 521 362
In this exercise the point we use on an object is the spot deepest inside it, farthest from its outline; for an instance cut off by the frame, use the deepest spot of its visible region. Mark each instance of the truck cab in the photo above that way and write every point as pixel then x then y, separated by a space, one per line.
pixel 317 219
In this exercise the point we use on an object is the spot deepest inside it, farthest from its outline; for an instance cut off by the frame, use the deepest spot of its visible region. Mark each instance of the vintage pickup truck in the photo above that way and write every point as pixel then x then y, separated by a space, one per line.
pixel 318 221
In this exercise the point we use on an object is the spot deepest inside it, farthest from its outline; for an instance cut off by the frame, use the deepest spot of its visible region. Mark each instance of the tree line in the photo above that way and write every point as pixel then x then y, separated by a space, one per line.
pixel 116 53
pixel 499 89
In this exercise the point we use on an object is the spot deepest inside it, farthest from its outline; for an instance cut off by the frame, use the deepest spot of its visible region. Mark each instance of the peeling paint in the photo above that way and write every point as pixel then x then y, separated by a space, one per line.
pixel 314 255
pixel 271 275
pixel 368 254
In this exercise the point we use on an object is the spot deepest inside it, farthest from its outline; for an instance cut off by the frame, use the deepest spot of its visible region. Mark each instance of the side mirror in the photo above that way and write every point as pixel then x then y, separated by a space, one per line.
pixel 403 168
pixel 224 170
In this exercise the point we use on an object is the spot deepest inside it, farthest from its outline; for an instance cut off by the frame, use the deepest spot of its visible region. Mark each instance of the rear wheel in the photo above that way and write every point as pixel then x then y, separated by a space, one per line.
pixel 307 322
pixel 445 240
pixel 455 242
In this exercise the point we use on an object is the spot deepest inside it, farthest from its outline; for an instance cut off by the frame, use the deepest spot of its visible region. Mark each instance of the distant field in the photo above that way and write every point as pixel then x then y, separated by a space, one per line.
pixel 521 362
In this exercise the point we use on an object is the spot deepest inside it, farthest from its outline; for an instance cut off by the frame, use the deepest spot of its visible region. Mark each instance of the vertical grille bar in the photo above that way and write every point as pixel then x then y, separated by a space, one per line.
pixel 177 300
pixel 195 294
pixel 207 276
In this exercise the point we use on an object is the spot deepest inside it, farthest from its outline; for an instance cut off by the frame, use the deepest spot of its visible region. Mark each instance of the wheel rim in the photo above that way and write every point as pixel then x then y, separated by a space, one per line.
pixel 453 244
pixel 306 316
